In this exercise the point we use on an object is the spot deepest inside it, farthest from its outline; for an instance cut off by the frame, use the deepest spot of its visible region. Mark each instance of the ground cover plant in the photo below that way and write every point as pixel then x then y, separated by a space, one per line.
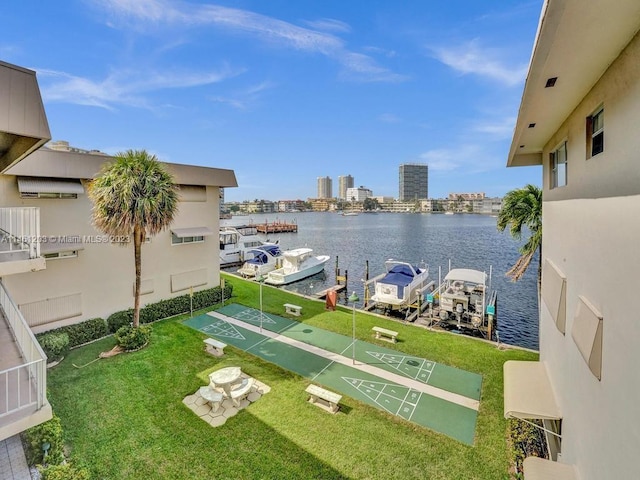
pixel 123 417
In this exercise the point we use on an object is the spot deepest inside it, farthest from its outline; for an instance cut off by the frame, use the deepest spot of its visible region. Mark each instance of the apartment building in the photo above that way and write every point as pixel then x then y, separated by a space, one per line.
pixel 344 182
pixel 413 181
pixel 325 187
pixel 55 267
pixel 578 119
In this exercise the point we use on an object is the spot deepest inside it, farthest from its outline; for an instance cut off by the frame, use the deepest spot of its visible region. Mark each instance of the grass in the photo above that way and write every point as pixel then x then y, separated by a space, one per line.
pixel 123 417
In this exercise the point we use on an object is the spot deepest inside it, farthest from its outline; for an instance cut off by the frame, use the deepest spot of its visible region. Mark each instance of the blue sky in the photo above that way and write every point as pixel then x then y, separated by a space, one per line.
pixel 285 91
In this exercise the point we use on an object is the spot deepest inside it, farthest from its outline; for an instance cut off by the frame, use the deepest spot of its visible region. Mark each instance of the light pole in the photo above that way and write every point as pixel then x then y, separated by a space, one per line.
pixel 353 299
pixel 261 281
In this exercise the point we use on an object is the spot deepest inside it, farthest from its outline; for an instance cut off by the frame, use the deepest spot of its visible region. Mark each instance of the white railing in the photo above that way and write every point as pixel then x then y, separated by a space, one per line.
pixel 24 385
pixel 20 230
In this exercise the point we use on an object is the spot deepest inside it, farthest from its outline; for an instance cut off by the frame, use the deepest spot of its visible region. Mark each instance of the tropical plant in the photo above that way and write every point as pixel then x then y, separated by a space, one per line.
pixel 133 197
pixel 522 208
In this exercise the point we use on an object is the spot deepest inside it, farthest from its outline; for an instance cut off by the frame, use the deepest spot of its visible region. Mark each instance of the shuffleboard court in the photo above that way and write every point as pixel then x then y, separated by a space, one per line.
pixel 398 384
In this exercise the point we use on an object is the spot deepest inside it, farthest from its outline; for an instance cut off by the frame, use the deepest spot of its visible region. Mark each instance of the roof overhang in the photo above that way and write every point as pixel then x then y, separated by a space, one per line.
pixel 540 469
pixel 57 244
pixel 575 43
pixel 528 393
pixel 23 123
pixel 192 232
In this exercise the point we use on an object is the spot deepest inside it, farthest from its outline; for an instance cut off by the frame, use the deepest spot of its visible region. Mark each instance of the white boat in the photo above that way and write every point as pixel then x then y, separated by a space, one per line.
pixel 297 264
pixel 465 299
pixel 236 242
pixel 264 259
pixel 401 285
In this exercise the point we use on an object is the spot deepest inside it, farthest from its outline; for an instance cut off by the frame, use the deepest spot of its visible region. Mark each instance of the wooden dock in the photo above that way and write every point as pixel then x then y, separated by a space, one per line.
pixel 277 227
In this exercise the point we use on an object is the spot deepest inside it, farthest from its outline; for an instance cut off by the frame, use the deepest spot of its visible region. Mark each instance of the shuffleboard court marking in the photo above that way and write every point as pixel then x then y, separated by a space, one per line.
pixel 395 402
pixel 252 315
pixel 376 371
pixel 223 329
pixel 406 365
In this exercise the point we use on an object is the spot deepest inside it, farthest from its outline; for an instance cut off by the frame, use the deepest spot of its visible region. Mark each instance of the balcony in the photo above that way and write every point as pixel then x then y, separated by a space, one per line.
pixel 23 372
pixel 20 240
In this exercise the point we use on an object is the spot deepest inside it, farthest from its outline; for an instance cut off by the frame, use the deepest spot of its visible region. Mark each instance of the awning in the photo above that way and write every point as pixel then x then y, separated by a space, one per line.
pixel 192 232
pixel 49 185
pixel 540 469
pixel 467 275
pixel 528 393
pixel 62 243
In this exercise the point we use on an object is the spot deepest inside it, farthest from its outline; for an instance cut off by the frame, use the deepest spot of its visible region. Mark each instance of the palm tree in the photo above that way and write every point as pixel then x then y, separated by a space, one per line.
pixel 522 207
pixel 134 196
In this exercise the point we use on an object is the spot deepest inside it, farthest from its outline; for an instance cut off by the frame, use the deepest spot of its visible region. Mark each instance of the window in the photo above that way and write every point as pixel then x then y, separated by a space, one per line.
pixel 595 133
pixel 68 254
pixel 175 240
pixel 47 195
pixel 559 166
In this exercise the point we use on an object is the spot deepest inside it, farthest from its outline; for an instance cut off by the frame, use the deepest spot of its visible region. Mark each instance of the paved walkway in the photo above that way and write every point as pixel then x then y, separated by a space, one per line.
pixel 13 464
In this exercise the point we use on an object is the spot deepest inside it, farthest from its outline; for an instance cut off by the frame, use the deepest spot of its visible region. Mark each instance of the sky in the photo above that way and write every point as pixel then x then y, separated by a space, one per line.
pixel 285 91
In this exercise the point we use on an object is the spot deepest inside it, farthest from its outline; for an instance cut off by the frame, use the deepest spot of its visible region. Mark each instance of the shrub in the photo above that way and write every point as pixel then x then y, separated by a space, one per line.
pixel 526 441
pixel 55 345
pixel 130 338
pixel 119 319
pixel 82 332
pixel 48 432
pixel 64 472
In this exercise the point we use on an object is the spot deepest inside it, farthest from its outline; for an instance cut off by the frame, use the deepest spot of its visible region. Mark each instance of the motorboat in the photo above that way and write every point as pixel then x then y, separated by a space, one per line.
pixel 236 243
pixel 297 264
pixel 401 286
pixel 264 259
pixel 465 300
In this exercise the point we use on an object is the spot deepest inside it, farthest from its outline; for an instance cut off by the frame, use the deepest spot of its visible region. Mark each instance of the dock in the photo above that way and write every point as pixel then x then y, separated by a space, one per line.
pixel 276 227
pixel 335 288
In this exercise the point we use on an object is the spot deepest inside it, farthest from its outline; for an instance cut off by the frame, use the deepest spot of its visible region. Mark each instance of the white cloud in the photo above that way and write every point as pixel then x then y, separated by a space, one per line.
pixel 329 25
pixel 388 118
pixel 121 87
pixel 244 99
pixel 497 129
pixel 466 159
pixel 471 58
pixel 270 30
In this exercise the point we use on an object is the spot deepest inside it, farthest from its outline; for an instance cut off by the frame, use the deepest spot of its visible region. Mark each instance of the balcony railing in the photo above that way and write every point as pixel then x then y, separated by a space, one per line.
pixel 20 230
pixel 22 386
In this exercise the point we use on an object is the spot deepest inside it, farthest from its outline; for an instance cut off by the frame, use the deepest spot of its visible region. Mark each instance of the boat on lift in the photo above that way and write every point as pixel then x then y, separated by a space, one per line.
pixel 236 242
pixel 264 259
pixel 297 264
pixel 401 286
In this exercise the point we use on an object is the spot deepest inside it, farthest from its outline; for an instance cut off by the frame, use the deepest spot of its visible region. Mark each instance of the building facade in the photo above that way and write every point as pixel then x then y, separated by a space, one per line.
pixel 55 267
pixel 413 181
pixel 578 119
pixel 344 182
pixel 359 194
pixel 325 187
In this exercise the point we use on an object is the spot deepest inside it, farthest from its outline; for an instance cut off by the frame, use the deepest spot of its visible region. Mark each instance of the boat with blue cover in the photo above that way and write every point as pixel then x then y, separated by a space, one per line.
pixel 264 259
pixel 401 286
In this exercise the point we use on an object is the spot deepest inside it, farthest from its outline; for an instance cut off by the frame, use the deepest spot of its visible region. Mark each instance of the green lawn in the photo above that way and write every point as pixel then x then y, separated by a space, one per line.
pixel 123 417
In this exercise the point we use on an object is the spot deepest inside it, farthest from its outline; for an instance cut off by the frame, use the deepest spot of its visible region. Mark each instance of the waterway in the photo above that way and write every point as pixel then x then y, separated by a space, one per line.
pixel 465 240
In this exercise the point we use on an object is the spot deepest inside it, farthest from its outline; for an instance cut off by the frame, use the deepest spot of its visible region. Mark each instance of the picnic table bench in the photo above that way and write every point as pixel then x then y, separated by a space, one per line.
pixel 292 309
pixel 243 389
pixel 215 347
pixel 384 334
pixel 212 396
pixel 330 399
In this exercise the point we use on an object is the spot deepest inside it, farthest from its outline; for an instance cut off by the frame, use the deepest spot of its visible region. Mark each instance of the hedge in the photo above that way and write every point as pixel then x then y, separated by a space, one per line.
pixel 80 333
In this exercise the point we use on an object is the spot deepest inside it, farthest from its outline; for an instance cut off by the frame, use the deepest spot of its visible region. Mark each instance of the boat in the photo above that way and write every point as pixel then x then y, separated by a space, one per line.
pixel 236 242
pixel 349 214
pixel 401 286
pixel 264 259
pixel 465 301
pixel 297 264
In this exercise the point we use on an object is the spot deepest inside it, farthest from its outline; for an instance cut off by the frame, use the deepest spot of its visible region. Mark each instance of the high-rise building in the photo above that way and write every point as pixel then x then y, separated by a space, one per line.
pixel 325 189
pixel 413 181
pixel 344 182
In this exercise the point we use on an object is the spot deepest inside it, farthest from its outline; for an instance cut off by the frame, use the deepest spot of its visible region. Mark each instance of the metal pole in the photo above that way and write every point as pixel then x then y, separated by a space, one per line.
pixel 261 303
pixel 353 299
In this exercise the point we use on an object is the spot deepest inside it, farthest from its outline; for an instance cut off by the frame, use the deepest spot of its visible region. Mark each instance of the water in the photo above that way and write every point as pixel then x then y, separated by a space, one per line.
pixel 469 241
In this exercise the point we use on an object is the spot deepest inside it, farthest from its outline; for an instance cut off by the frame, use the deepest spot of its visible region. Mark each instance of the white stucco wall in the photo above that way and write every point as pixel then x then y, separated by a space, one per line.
pixel 591 233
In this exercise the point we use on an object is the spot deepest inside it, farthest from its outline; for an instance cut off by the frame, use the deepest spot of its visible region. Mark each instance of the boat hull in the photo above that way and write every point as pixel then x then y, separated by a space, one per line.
pixel 280 277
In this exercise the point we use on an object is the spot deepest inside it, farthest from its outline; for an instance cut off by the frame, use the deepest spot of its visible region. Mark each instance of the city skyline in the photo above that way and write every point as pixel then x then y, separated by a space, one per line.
pixel 282 92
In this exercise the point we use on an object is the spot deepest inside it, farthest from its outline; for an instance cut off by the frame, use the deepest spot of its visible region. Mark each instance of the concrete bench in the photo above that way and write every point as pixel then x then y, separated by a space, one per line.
pixel 212 396
pixel 330 399
pixel 384 334
pixel 214 347
pixel 292 309
pixel 242 390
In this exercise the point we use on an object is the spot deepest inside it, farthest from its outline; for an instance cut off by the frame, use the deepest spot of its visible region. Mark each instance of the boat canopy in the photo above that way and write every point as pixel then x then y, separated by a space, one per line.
pixel 467 275
pixel 297 252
